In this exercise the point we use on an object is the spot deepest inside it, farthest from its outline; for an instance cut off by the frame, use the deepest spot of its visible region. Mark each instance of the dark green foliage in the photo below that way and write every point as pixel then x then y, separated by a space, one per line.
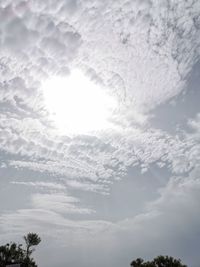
pixel 15 253
pixel 160 261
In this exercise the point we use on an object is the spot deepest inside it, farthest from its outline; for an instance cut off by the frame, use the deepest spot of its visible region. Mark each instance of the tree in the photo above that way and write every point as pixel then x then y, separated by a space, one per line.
pixel 11 253
pixel 15 253
pixel 160 261
pixel 137 263
pixel 166 261
pixel 31 240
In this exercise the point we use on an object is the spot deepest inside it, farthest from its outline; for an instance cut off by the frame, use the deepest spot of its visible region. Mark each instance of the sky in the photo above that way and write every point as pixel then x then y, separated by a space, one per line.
pixel 100 129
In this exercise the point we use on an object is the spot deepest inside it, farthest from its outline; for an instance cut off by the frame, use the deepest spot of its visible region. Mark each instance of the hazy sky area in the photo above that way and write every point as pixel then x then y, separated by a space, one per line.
pixel 100 129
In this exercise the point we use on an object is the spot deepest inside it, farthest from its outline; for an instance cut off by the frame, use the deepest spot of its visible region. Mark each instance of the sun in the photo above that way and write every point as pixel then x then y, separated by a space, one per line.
pixel 76 104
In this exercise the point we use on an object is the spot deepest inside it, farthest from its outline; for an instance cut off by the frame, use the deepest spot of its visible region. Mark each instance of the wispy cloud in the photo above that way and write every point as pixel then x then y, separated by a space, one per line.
pixel 46 185
pixel 60 203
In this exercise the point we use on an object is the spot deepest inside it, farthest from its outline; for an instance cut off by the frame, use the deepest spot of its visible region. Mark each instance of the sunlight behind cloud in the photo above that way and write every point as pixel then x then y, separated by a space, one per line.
pixel 76 104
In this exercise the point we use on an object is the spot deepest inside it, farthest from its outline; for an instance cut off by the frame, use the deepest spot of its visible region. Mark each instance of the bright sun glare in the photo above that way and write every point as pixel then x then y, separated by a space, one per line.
pixel 76 104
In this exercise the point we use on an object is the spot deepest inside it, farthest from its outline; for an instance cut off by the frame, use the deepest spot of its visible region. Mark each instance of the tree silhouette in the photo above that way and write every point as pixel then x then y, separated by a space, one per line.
pixel 137 263
pixel 160 261
pixel 10 253
pixel 166 261
pixel 31 240
pixel 15 253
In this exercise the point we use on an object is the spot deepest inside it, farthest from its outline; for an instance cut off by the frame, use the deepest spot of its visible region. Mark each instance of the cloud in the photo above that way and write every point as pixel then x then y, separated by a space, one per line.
pixel 142 53
pixel 50 223
pixel 161 48
pixel 39 185
pixel 168 223
pixel 50 42
pixel 60 203
pixel 103 189
pixel 99 159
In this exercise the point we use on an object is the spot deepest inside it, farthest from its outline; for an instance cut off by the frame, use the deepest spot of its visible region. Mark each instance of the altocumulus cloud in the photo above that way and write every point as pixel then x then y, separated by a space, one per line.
pixel 142 53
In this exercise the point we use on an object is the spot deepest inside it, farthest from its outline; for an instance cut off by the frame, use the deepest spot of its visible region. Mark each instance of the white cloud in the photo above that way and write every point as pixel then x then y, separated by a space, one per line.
pixel 142 52
pixel 98 159
pixel 50 223
pixel 43 185
pixel 101 188
pixel 60 203
pixel 162 49
pixel 168 221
